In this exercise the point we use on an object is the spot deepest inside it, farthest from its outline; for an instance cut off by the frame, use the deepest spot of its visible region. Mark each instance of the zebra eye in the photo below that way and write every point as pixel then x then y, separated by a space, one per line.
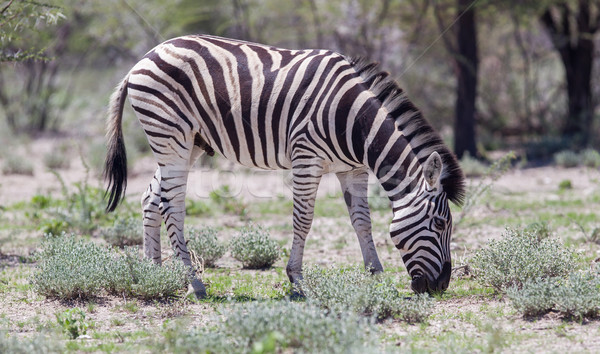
pixel 439 223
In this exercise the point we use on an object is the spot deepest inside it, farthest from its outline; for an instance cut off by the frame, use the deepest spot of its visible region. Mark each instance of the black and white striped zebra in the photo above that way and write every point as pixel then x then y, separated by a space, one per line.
pixel 311 111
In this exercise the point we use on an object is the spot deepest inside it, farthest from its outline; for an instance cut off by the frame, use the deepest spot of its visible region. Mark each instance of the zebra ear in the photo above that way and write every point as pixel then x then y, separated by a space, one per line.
pixel 432 169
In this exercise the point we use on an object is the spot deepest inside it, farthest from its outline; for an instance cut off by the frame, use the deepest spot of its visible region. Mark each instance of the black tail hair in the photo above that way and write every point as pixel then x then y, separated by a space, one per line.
pixel 115 166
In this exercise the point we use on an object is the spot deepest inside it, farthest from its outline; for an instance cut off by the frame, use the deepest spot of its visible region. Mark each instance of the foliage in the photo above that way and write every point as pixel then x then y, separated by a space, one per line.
pixel 124 232
pixel 576 296
pixel 590 158
pixel 56 160
pixel 521 256
pixel 565 184
pixel 70 269
pixel 197 208
pixel 343 289
pixel 270 327
pixel 224 198
pixel 17 165
pixel 205 244
pixel 38 344
pixel 130 275
pixel 254 248
pixel 73 322
pixel 567 159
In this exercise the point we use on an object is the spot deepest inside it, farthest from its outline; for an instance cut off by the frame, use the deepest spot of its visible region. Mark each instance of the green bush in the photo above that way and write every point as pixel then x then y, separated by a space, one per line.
pixel 273 327
pixel 37 344
pixel 205 244
pixel 575 296
pixel 73 322
pixel 567 159
pixel 17 165
pixel 520 256
pixel 254 248
pixel 133 276
pixel 124 232
pixel 56 160
pixel 355 289
pixel 590 158
pixel 70 269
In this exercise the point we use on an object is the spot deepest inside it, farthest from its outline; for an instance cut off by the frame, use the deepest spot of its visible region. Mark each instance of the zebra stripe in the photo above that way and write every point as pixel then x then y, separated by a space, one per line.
pixel 311 111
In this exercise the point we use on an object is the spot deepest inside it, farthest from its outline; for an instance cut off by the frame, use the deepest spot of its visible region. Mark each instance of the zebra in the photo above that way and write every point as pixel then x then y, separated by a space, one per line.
pixel 309 111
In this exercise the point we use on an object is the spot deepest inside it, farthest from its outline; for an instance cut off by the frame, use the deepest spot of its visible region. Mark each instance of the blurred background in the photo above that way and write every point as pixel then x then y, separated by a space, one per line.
pixel 490 75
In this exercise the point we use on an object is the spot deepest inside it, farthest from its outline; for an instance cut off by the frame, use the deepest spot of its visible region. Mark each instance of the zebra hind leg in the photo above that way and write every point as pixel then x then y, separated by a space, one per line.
pixel 152 219
pixel 173 185
pixel 355 186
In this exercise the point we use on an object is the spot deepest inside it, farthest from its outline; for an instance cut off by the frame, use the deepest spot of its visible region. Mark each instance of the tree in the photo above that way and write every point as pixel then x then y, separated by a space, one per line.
pixel 571 26
pixel 463 48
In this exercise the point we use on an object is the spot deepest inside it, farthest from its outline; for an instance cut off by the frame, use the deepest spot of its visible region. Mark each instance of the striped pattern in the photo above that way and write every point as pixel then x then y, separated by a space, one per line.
pixel 311 111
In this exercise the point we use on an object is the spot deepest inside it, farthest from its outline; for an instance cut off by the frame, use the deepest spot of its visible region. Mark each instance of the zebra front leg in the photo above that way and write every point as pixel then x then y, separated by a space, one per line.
pixel 305 185
pixel 173 187
pixel 355 187
pixel 152 219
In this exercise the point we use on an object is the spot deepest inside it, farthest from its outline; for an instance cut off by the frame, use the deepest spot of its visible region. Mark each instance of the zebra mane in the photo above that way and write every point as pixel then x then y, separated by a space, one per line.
pixel 419 133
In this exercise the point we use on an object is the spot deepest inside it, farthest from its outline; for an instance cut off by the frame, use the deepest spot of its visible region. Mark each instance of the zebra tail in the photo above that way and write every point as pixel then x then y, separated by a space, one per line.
pixel 115 166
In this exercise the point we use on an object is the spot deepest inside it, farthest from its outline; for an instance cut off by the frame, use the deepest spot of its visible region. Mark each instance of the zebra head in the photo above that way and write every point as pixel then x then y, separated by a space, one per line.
pixel 422 227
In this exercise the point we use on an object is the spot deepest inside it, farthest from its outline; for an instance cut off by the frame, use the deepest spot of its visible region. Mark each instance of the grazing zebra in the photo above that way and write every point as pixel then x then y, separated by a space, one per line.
pixel 311 111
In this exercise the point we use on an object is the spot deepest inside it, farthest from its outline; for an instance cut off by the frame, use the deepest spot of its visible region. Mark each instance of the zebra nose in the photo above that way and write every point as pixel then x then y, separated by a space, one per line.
pixel 441 284
pixel 419 284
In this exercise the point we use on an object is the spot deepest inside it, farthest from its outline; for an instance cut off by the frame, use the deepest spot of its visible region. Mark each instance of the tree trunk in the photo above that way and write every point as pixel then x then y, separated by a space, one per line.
pixel 575 45
pixel 467 63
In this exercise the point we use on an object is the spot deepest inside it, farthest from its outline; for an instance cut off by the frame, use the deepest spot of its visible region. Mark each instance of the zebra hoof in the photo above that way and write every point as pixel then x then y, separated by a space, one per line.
pixel 199 289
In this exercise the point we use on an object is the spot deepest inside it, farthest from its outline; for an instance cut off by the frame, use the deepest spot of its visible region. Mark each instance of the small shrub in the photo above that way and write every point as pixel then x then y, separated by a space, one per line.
pixel 579 296
pixel 354 289
pixel 567 159
pixel 273 327
pixel 36 344
pixel 590 158
pixel 17 165
pixel 70 269
pixel 576 296
pixel 73 322
pixel 520 256
pixel 565 184
pixel 254 248
pixel 534 297
pixel 205 244
pixel 129 274
pixel 124 232
pixel 56 160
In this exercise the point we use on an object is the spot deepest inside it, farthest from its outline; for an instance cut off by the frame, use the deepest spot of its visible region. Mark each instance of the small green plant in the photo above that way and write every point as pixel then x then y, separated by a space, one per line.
pixel 70 269
pixel 520 256
pixel 355 289
pixel 273 327
pixel 197 208
pixel 576 296
pixel 17 165
pixel 565 184
pixel 224 198
pixel 124 232
pixel 567 159
pixel 255 248
pixel 56 160
pixel 130 275
pixel 590 158
pixel 204 244
pixel 73 322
